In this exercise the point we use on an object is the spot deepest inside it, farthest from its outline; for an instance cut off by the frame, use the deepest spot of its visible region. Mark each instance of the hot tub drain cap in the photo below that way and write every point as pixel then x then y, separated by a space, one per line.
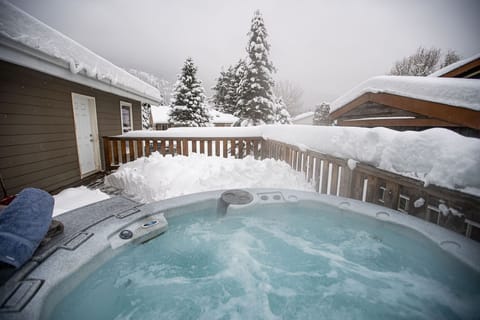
pixel 239 197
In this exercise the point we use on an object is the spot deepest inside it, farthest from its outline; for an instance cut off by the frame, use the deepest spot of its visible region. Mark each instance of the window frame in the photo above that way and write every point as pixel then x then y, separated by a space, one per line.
pixel 129 105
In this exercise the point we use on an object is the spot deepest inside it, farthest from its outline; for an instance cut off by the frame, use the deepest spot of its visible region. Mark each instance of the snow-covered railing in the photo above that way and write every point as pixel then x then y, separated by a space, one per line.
pixel 448 208
pixel 451 209
pixel 121 149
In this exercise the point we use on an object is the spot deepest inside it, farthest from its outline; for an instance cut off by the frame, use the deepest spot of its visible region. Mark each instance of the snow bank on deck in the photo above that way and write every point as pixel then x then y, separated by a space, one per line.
pixel 435 156
pixel 463 93
pixel 157 177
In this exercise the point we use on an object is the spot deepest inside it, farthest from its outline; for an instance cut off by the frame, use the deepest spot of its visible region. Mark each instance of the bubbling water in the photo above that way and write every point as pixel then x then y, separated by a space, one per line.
pixel 276 262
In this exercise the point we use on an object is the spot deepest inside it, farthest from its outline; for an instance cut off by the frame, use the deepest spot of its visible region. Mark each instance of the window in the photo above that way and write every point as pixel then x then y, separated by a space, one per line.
pixel 381 194
pixel 126 116
pixel 403 203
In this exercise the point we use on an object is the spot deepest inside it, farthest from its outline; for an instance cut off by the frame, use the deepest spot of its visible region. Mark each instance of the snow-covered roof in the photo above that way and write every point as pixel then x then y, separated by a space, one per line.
pixel 220 117
pixel 160 114
pixel 463 93
pixel 454 66
pixel 303 116
pixel 31 43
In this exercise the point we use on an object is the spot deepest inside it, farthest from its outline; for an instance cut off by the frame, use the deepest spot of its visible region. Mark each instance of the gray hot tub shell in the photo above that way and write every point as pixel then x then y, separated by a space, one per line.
pixel 92 236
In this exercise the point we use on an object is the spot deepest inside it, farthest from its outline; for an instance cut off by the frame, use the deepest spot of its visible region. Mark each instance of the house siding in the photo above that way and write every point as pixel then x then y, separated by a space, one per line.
pixel 37 131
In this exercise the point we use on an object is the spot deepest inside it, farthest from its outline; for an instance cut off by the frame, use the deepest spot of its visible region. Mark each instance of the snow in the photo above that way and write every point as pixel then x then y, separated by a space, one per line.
pixel 73 198
pixel 220 117
pixel 160 114
pixel 352 164
pixel 21 27
pixel 435 156
pixel 203 132
pixel 419 203
pixel 454 66
pixel 156 177
pixel 303 116
pixel 463 93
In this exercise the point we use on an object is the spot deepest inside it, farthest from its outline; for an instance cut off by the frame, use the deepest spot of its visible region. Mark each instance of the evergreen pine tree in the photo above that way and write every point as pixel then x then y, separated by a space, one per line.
pixel 188 99
pixel 146 116
pixel 221 89
pixel 256 102
pixel 280 113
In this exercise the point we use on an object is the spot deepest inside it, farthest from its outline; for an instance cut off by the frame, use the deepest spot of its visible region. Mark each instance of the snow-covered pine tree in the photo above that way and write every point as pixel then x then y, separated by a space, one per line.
pixel 256 102
pixel 226 90
pixel 281 115
pixel 146 116
pixel 221 89
pixel 188 99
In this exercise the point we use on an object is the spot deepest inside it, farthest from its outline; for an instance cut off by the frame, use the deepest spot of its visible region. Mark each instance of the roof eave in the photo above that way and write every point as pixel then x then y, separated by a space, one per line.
pixel 19 54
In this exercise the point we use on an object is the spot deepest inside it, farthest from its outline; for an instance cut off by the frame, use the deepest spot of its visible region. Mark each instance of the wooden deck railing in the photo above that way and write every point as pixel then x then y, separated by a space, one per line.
pixel 451 209
pixel 119 150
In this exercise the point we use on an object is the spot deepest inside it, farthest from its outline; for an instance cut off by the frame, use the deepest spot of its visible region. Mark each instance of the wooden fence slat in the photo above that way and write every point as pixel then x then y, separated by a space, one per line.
pixel 194 146
pixel 155 145
pixel 232 148
pixel 325 170
pixel 185 147
pixel 217 147
pixel 240 148
pixel 249 149
pixel 147 147
pixel 334 183
pixel 163 143
pixel 316 175
pixel 171 147
pixel 310 168
pixel 371 189
pixel 225 148
pixel 108 153
pixel 139 148
pixel 131 150
pixel 256 149
pixel 116 154
pixel 123 147
pixel 209 146
pixel 178 147
pixel 202 146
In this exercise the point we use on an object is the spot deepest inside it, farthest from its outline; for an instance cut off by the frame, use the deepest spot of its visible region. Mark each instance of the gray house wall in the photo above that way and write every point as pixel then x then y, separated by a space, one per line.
pixel 37 131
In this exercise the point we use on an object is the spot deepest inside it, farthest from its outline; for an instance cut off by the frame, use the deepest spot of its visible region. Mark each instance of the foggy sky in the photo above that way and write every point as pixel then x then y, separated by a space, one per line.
pixel 323 46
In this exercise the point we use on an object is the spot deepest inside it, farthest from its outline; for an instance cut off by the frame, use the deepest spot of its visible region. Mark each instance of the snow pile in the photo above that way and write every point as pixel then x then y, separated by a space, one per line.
pixel 160 114
pixel 73 198
pixel 220 117
pixel 437 156
pixel 21 27
pixel 463 93
pixel 157 177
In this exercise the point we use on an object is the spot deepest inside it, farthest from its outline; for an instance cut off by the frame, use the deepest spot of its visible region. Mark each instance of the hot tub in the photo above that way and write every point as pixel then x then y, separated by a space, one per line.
pixel 249 254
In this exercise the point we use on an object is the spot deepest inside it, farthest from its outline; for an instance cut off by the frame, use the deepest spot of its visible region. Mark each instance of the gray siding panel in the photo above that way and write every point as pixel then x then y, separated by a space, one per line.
pixel 37 135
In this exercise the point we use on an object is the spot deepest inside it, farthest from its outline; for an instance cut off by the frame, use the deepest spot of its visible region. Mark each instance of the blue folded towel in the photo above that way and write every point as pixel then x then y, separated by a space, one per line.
pixel 23 225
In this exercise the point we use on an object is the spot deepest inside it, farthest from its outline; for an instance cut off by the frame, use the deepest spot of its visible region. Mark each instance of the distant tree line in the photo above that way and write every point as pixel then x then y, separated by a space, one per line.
pixel 424 62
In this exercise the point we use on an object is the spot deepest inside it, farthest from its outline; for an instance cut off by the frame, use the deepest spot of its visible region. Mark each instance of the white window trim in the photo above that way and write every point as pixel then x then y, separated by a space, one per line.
pixel 126 104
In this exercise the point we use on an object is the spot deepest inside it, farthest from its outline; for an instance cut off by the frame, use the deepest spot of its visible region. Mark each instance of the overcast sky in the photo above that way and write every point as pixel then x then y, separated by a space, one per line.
pixel 323 46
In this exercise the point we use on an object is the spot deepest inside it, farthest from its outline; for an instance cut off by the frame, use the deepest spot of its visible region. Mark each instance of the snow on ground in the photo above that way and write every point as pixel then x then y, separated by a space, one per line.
pixel 157 177
pixel 73 198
